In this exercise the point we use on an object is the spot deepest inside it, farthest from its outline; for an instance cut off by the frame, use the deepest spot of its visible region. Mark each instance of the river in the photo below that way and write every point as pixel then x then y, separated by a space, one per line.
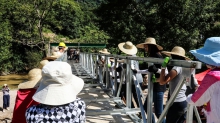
pixel 12 80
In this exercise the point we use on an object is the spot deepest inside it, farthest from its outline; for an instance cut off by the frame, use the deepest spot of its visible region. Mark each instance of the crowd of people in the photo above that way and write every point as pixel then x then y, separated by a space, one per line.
pixel 45 97
pixel 204 96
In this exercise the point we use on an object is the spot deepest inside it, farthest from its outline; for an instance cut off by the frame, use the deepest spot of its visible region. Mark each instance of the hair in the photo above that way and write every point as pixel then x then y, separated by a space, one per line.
pixel 177 57
pixel 152 50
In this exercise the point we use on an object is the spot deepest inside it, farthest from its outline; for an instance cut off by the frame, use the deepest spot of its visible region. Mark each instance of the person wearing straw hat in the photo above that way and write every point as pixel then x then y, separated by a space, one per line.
pixel 154 50
pixel 101 63
pixel 57 95
pixel 54 56
pixel 25 92
pixel 130 50
pixel 208 91
pixel 6 97
pixel 176 112
pixel 42 63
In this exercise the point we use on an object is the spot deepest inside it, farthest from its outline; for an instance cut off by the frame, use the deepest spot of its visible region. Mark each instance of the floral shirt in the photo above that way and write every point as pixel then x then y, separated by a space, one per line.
pixel 73 112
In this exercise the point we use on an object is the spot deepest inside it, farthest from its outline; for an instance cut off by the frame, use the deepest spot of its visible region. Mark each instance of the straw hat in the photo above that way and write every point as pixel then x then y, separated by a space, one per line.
pixel 119 61
pixel 149 41
pixel 104 51
pixel 34 77
pixel 58 85
pixel 128 48
pixel 179 51
pixel 54 56
pixel 210 53
pixel 42 63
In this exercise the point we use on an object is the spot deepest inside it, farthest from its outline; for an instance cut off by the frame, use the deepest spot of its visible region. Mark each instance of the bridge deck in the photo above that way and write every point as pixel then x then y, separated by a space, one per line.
pixel 90 93
pixel 89 96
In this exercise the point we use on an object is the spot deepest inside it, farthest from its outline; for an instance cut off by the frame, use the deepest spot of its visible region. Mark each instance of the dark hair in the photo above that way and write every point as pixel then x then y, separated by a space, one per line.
pixel 152 50
pixel 177 57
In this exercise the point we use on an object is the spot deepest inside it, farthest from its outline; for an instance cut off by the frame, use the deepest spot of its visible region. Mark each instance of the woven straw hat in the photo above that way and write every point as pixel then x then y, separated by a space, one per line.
pixel 54 56
pixel 34 77
pixel 179 51
pixel 58 85
pixel 128 48
pixel 104 51
pixel 149 41
pixel 42 63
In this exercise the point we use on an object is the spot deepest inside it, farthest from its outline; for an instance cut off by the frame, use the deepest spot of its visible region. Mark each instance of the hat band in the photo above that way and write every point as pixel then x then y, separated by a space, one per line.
pixel 127 47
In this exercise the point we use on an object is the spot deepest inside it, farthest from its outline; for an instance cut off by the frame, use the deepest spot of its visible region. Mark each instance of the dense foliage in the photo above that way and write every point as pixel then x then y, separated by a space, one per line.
pixel 27 26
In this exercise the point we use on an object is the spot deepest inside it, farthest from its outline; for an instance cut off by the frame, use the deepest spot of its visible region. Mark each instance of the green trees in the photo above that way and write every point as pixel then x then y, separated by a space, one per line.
pixel 25 25
pixel 179 22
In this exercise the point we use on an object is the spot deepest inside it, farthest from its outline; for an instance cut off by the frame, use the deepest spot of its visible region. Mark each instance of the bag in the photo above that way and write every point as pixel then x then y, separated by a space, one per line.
pixel 191 89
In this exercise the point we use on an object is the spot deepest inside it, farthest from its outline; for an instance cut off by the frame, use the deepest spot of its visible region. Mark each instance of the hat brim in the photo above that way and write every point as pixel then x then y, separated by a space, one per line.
pixel 173 53
pixel 29 84
pixel 104 52
pixel 141 45
pixel 119 61
pixel 131 51
pixel 50 58
pixel 53 94
pixel 207 56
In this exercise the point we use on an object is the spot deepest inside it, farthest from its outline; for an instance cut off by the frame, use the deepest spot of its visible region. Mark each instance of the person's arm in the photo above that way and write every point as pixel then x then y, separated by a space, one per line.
pixel 167 78
pixel 204 92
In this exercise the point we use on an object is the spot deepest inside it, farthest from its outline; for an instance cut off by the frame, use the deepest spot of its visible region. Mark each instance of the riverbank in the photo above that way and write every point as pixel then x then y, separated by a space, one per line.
pixel 13 80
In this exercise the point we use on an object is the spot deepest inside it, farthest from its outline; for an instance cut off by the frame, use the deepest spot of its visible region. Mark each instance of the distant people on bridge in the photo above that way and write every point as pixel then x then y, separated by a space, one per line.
pixel 76 55
pixel 208 91
pixel 57 95
pixel 102 65
pixel 25 92
pixel 6 97
pixel 154 50
pixel 62 52
pixel 130 50
pixel 177 111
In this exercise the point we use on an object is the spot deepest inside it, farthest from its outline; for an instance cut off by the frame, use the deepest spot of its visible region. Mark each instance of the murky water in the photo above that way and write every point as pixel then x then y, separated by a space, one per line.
pixel 12 80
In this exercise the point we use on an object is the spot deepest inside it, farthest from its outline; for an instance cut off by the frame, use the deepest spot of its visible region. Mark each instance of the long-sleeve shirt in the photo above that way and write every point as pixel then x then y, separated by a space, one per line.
pixel 209 92
pixel 5 91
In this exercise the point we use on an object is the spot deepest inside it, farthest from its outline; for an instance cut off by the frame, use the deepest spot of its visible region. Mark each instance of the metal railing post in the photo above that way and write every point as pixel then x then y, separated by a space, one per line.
pixel 149 96
pixel 128 84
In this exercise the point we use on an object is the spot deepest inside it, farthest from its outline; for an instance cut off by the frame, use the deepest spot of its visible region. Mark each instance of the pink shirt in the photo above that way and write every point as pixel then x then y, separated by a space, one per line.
pixel 208 92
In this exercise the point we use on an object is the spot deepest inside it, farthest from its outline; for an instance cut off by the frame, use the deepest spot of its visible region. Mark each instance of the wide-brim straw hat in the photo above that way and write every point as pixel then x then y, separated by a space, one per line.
pixel 179 51
pixel 53 57
pixel 58 85
pixel 34 77
pixel 149 41
pixel 43 63
pixel 104 51
pixel 210 53
pixel 128 48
